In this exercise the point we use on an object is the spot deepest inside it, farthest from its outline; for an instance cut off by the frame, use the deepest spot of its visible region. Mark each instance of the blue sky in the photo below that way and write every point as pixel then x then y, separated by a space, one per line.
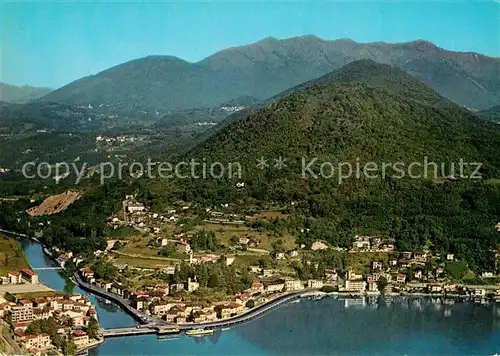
pixel 54 43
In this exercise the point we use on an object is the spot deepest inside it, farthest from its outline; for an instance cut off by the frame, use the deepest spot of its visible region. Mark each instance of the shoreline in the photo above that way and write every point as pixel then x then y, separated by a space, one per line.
pixel 297 296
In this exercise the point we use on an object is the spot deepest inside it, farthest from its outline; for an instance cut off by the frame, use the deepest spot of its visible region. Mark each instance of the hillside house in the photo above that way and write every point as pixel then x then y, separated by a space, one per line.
pixel 314 283
pixel 14 277
pixel 274 286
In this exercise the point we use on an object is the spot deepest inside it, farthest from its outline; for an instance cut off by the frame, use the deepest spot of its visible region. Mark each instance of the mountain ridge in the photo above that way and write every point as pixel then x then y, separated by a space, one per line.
pixel 267 67
pixel 21 94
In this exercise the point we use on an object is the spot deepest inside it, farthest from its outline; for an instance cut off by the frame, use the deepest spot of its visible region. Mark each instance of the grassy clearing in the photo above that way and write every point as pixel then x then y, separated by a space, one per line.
pixel 32 295
pixel 139 246
pixel 122 232
pixel 11 256
pixel 224 234
pixel 121 261
pixel 243 261
pixel 362 262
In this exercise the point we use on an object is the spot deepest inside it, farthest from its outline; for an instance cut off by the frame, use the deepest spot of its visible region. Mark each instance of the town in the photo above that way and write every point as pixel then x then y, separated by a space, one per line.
pixel 192 266
pixel 171 270
pixel 48 321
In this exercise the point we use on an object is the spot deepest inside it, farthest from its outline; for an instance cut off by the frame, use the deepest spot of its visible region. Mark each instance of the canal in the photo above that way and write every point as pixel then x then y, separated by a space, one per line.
pixel 110 315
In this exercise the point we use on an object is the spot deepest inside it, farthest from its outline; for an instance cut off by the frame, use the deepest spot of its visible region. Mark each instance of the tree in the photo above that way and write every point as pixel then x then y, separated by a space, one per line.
pixel 69 347
pixel 117 245
pixel 327 289
pixel 93 328
pixel 382 284
pixel 105 270
pixel 250 303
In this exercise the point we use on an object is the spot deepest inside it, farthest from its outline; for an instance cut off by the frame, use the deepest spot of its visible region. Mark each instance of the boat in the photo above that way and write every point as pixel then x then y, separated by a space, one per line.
pixel 167 337
pixel 168 330
pixel 199 332
pixel 225 329
pixel 47 251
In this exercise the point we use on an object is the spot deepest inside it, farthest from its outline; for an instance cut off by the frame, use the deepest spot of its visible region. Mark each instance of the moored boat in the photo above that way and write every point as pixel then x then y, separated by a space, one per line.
pixel 168 330
pixel 199 332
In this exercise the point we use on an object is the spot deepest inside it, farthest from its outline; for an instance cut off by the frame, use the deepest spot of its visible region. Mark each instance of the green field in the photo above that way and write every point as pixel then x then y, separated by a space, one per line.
pixel 11 256
pixel 122 232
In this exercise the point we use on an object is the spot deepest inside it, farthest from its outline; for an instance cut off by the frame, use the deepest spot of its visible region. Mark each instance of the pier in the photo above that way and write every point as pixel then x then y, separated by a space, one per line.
pixel 127 331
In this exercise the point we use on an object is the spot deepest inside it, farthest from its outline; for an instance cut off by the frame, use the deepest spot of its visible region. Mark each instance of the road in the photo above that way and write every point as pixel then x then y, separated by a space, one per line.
pixel 142 318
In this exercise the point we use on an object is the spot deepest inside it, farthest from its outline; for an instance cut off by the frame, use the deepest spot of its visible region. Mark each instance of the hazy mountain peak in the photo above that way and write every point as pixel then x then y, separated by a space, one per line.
pixel 423 44
pixel 21 94
pixel 268 39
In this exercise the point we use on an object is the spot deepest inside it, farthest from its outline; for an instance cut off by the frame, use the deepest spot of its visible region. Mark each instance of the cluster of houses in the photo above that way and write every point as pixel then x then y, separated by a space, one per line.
pixel 25 275
pixel 175 310
pixel 73 313
pixel 136 215
pixel 119 139
pixel 407 274
pixel 248 241
pixel 221 217
pixel 160 300
pixel 283 284
pixel 372 244
pixel 232 108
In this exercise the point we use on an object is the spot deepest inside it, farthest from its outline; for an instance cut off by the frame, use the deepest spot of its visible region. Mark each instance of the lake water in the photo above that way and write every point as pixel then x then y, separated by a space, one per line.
pixel 338 326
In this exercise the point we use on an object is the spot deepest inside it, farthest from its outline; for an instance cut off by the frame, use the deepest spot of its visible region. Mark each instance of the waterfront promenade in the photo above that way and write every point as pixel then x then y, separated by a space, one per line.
pixel 223 323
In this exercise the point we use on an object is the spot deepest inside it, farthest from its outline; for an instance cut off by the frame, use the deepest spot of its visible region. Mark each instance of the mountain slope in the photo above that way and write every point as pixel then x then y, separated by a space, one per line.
pixel 348 121
pixel 364 111
pixel 374 74
pixel 324 124
pixel 491 114
pixel 267 67
pixel 12 94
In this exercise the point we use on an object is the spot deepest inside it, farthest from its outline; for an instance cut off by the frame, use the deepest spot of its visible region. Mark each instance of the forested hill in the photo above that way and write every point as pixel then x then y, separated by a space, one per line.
pixel 344 122
pixel 390 78
pixel 367 111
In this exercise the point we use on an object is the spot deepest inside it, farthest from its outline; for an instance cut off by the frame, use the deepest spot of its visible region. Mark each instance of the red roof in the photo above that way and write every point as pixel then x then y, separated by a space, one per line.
pixel 14 273
pixel 79 332
pixel 28 272
pixel 21 324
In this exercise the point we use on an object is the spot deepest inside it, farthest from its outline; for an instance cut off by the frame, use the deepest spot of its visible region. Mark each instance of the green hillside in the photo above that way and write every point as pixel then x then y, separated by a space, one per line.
pixel 351 121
